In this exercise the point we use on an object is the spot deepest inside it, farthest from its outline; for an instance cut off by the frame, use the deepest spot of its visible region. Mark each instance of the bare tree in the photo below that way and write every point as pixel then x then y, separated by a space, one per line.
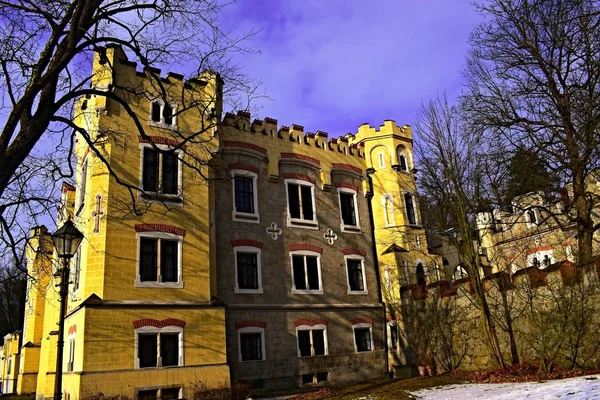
pixel 46 53
pixel 533 76
pixel 451 172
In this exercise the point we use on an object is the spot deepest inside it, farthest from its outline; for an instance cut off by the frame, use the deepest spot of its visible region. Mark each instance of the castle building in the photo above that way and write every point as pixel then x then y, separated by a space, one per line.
pixel 218 249
pixel 10 358
pixel 533 233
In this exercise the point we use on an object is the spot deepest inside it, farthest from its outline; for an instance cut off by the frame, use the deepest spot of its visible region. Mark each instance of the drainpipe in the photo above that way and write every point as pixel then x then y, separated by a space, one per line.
pixel 369 196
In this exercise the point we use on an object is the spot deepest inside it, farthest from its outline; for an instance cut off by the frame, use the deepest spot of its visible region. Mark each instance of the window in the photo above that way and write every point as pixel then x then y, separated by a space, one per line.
pixel 532 217
pixel 161 172
pixel 541 258
pixel 251 342
pixel 355 269
pixel 82 189
pixel 363 338
pixel 381 157
pixel 159 260
pixel 402 158
pixel 247 270
pixel 306 272
pixel 245 203
pixel 411 211
pixel 159 347
pixel 348 210
pixel 393 335
pixel 387 201
pixel 405 271
pixel 76 270
pixel 418 242
pixel 163 114
pixel 301 203
pixel 71 354
pixel 312 340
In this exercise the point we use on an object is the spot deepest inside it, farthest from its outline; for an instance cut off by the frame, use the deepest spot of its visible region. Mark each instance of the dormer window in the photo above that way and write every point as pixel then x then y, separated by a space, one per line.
pixel 162 114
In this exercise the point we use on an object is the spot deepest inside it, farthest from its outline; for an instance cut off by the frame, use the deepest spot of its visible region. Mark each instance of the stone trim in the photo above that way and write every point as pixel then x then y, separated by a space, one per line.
pixel 244 145
pixel 300 177
pixel 85 153
pixel 346 167
pixel 306 247
pixel 158 324
pixel 246 242
pixel 160 228
pixel 247 324
pixel 245 167
pixel 72 329
pixel 541 248
pixel 301 157
pixel 361 320
pixel 359 252
pixel 67 188
pixel 160 140
pixel 310 322
pixel 346 186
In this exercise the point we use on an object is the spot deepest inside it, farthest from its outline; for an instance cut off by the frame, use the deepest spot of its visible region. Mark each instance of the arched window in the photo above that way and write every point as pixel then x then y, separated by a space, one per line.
pixel 402 155
pixel 459 273
pixel 411 210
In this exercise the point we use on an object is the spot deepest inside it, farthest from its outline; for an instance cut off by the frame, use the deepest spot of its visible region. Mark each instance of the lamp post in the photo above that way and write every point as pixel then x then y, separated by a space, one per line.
pixel 66 240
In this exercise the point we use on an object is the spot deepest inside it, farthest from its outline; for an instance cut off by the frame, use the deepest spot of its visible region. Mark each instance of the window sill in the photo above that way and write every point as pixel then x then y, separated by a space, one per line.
pixel 358 292
pixel 351 229
pixel 301 291
pixel 249 291
pixel 162 125
pixel 246 217
pixel 168 366
pixel 158 285
pixel 303 223
pixel 317 356
pixel 166 198
pixel 249 361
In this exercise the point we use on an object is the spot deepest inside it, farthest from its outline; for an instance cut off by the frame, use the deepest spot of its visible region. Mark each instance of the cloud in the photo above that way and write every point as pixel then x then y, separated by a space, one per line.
pixel 332 65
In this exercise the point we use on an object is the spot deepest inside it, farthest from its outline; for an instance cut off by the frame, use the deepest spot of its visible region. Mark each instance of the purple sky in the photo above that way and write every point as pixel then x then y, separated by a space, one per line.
pixel 332 65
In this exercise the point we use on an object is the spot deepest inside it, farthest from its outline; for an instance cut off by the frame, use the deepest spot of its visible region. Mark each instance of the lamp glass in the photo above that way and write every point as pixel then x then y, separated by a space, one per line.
pixel 67 239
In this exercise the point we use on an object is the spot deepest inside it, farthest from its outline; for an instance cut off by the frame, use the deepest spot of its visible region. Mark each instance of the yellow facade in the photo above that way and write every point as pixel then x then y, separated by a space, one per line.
pixel 9 362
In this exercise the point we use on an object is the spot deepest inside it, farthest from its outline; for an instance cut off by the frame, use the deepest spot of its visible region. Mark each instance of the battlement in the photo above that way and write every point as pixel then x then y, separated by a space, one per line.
pixel 345 144
pixel 389 127
pixel 111 61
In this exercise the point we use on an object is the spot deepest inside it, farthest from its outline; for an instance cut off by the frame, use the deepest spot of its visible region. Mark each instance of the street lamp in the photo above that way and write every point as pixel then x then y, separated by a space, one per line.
pixel 66 240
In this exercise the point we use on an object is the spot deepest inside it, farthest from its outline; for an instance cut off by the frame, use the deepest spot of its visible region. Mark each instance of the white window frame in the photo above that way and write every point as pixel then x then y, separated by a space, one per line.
pixel 460 272
pixel 536 214
pixel 402 151
pixel 162 123
pixel 540 256
pixel 152 329
pixel 318 327
pixel 306 253
pixel 70 353
pixel 76 272
pixel 349 228
pixel 254 250
pixel 364 277
pixel 415 208
pixel 381 159
pixel 176 199
pixel 300 222
pixel 404 264
pixel 82 185
pixel 387 277
pixel 244 216
pixel 362 325
pixel 159 284
pixel 252 329
pixel 387 202
pixel 418 242
pixel 393 325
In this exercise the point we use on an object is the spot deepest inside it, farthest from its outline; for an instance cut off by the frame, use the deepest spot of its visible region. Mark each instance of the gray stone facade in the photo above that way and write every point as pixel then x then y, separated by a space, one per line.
pixel 278 308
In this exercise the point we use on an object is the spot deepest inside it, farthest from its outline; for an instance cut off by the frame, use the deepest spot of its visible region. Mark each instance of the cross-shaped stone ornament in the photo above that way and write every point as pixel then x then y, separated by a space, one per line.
pixel 330 236
pixel 274 231
pixel 97 213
